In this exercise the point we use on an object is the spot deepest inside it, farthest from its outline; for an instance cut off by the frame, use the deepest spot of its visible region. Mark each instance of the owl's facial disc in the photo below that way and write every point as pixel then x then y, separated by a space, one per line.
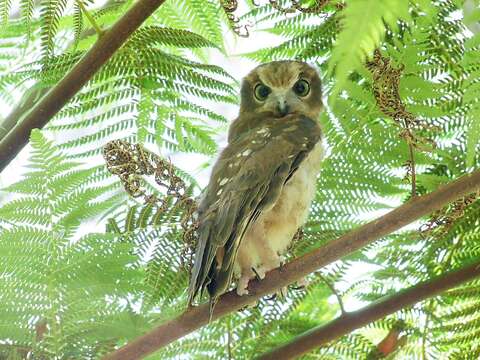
pixel 281 88
pixel 282 100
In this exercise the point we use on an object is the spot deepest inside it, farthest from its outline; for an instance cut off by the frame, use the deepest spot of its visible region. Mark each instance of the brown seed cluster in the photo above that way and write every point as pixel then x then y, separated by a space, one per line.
pixel 386 82
pixel 229 7
pixel 316 8
pixel 130 162
pixel 442 220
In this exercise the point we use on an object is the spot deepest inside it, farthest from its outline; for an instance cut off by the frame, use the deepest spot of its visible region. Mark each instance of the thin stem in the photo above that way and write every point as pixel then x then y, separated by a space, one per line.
pixel 412 158
pixel 335 292
pixel 90 18
pixel 412 166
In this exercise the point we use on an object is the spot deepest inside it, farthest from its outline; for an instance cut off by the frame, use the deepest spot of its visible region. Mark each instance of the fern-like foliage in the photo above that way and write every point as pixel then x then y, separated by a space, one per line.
pixel 61 290
pixel 367 170
pixel 75 293
pixel 360 35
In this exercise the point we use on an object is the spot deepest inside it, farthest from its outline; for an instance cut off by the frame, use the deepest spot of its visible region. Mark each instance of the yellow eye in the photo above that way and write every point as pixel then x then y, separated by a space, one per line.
pixel 301 87
pixel 261 92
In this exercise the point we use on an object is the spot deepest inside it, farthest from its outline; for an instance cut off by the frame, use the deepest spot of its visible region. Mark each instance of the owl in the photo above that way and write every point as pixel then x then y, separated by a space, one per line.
pixel 262 184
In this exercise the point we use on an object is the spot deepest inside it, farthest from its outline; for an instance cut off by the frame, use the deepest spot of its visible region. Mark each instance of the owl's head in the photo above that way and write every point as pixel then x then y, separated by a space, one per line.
pixel 281 88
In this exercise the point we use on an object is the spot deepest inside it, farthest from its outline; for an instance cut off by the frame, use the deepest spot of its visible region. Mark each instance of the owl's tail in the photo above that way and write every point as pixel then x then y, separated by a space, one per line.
pixel 204 256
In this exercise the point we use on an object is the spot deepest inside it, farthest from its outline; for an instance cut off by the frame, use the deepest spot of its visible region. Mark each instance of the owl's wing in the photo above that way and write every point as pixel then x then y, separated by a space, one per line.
pixel 246 180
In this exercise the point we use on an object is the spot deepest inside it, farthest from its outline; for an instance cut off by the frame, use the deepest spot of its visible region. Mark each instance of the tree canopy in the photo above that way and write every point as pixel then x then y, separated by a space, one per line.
pixel 96 234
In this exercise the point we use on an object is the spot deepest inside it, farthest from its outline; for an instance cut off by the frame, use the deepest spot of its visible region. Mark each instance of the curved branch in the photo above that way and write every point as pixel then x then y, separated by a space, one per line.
pixel 348 322
pixel 82 72
pixel 197 317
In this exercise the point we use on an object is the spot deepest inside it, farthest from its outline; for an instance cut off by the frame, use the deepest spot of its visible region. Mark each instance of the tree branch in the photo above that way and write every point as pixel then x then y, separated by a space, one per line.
pixel 197 317
pixel 36 92
pixel 348 322
pixel 73 81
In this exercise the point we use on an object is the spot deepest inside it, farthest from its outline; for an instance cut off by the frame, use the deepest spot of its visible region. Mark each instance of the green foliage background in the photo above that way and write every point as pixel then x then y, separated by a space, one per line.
pixel 66 292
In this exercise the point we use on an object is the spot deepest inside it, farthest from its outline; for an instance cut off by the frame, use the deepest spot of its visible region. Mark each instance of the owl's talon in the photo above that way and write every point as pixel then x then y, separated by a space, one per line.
pixel 259 273
pixel 241 292
pixel 281 265
pixel 303 282
pixel 283 292
pixel 242 286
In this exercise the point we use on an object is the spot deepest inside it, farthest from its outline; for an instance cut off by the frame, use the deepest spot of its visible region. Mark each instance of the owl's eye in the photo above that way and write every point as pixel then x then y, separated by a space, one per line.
pixel 261 92
pixel 301 87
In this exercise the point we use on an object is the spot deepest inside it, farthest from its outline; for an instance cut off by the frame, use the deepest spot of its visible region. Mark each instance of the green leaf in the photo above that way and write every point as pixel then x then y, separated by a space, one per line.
pixel 363 29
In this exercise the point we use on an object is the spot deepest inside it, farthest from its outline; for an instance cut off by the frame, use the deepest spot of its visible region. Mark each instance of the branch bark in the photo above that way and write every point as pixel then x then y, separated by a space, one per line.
pixel 348 322
pixel 58 96
pixel 196 317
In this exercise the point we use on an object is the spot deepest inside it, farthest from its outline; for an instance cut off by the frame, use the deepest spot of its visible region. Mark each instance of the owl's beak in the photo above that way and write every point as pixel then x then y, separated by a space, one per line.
pixel 282 108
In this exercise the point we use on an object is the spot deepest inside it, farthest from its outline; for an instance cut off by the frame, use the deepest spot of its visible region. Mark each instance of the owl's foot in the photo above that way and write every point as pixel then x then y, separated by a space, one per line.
pixel 282 262
pixel 242 285
pixel 302 283
pixel 259 272
pixel 282 293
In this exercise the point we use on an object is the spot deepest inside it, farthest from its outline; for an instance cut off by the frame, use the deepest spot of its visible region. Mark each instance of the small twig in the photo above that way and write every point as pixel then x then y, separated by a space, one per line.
pixel 90 18
pixel 335 292
pixel 412 168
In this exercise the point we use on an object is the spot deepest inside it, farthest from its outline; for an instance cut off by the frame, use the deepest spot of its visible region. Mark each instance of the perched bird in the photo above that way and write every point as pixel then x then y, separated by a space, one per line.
pixel 262 185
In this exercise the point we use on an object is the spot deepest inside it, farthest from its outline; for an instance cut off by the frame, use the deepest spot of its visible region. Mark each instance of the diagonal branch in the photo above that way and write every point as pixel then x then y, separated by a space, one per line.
pixel 36 91
pixel 348 322
pixel 197 317
pixel 82 72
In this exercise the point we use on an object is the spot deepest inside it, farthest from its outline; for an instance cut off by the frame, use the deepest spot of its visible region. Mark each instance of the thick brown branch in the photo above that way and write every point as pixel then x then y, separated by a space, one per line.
pixel 197 317
pixel 354 320
pixel 83 71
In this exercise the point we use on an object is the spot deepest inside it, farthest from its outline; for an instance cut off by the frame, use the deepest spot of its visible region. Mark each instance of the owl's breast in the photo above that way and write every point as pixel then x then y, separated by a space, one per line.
pixel 274 229
pixel 291 210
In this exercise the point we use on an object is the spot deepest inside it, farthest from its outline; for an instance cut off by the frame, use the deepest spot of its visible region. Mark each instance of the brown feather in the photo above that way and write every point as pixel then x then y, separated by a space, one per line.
pixel 245 180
